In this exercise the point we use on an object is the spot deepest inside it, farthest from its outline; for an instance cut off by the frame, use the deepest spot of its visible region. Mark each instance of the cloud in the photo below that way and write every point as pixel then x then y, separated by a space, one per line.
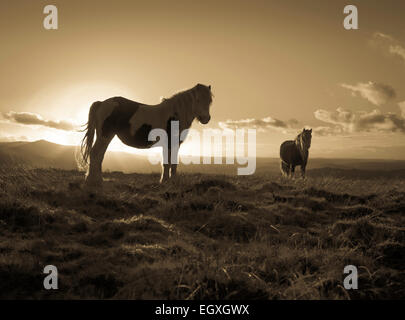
pixel 349 122
pixel 398 50
pixel 9 138
pixel 376 93
pixel 389 44
pixel 327 131
pixel 262 124
pixel 28 118
pixel 383 36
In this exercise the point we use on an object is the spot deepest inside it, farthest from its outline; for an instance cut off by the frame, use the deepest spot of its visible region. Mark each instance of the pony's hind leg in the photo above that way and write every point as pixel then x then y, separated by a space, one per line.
pixel 285 168
pixel 173 170
pixel 94 176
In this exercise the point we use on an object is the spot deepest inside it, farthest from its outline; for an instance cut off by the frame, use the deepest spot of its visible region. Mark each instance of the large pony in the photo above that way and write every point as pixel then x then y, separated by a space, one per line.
pixel 132 121
pixel 295 153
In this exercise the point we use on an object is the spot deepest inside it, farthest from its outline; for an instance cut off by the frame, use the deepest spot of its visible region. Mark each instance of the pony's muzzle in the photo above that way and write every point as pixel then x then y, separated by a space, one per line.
pixel 204 120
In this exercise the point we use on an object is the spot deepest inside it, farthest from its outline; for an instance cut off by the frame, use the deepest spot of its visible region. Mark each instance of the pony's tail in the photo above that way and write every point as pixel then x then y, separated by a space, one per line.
pixel 88 139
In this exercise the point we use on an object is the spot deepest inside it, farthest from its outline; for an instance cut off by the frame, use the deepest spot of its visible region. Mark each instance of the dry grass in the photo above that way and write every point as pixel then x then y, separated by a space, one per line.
pixel 200 237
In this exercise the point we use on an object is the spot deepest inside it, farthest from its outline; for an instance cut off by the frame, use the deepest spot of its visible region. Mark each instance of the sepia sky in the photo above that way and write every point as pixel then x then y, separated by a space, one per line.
pixel 276 66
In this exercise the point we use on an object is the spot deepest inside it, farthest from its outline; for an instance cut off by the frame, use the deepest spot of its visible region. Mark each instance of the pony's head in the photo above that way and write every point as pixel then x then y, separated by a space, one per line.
pixel 305 138
pixel 202 103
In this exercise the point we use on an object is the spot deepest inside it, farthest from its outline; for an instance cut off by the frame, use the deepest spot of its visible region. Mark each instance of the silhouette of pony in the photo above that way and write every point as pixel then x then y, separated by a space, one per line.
pixel 132 121
pixel 295 153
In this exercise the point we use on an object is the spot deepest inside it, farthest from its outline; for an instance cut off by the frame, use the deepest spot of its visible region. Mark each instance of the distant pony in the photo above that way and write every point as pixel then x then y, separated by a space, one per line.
pixel 132 121
pixel 295 153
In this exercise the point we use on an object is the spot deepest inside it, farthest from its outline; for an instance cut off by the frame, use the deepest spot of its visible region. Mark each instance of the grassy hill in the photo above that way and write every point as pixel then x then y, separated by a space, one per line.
pixel 201 236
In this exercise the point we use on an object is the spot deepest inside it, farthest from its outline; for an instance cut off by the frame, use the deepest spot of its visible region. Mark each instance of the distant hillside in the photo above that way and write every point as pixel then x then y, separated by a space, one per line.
pixel 357 173
pixel 44 154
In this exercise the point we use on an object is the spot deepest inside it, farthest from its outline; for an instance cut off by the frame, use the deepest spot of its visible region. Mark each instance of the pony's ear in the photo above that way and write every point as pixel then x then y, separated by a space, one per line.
pixel 209 87
pixel 310 130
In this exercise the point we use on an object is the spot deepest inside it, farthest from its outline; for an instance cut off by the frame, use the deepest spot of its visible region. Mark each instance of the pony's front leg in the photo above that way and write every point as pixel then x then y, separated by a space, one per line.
pixel 303 171
pixel 292 172
pixel 173 163
pixel 173 170
pixel 165 167
pixel 165 172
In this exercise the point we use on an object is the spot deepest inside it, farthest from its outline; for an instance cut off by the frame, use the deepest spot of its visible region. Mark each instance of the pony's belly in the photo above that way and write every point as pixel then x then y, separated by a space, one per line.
pixel 147 115
pixel 139 139
pixel 295 158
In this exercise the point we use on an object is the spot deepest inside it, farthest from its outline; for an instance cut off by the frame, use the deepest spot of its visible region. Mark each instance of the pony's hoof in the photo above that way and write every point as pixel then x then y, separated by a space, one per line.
pixel 93 188
pixel 93 185
pixel 175 178
pixel 164 179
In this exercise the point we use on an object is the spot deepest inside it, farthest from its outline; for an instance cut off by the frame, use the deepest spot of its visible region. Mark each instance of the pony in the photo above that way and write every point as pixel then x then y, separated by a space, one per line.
pixel 132 122
pixel 295 152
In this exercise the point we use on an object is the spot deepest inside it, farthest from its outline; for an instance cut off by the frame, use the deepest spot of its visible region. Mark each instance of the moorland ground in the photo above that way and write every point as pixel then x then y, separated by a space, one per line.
pixel 200 236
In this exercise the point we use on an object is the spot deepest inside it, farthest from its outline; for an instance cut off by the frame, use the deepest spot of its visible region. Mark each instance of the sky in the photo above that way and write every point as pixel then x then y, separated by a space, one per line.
pixel 275 66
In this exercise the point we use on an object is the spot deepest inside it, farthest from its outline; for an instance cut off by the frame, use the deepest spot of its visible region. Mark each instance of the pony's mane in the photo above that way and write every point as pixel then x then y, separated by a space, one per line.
pixel 188 95
pixel 181 98
pixel 183 102
pixel 300 145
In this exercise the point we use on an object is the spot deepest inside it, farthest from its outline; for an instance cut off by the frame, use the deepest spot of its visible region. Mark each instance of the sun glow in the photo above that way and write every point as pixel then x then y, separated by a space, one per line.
pixel 72 105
